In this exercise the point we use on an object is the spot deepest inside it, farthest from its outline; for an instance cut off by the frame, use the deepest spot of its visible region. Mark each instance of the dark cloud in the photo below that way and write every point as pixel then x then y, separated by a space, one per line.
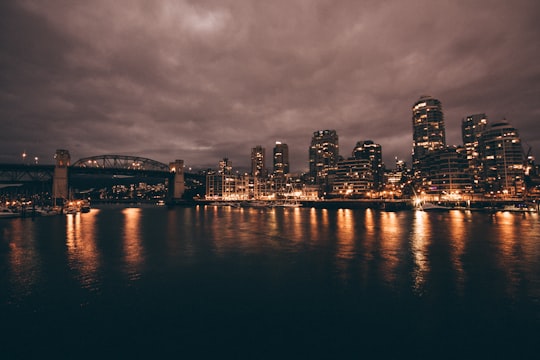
pixel 202 80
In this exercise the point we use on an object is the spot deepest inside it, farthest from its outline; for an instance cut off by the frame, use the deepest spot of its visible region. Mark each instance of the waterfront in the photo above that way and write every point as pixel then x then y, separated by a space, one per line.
pixel 266 283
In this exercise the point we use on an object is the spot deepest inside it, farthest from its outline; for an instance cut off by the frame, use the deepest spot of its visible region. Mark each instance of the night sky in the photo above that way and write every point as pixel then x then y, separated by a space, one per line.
pixel 203 80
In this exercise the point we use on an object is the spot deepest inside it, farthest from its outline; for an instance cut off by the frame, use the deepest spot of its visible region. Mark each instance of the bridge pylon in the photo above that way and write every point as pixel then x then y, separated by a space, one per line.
pixel 60 177
pixel 177 188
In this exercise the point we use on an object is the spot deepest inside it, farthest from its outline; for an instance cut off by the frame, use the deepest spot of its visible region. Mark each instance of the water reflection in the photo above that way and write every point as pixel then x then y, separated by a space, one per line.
pixel 392 234
pixel 24 259
pixel 133 251
pixel 345 234
pixel 420 240
pixel 348 261
pixel 294 222
pixel 511 251
pixel 458 239
pixel 345 238
pixel 83 255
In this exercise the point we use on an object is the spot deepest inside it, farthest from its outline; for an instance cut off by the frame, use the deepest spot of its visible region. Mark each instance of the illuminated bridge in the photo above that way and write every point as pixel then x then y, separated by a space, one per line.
pixel 121 165
pixel 63 172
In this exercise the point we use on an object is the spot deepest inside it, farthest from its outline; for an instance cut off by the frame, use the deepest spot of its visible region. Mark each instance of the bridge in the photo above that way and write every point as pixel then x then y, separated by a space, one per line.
pixel 63 171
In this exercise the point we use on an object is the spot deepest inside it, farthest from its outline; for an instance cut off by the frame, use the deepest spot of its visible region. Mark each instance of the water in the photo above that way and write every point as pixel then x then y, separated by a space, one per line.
pixel 270 283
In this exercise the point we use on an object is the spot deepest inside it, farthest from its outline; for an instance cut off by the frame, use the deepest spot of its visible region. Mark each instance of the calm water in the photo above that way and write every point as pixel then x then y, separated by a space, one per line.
pixel 272 283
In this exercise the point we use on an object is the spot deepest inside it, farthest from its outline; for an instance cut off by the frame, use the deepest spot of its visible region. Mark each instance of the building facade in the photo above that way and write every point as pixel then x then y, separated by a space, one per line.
pixel 225 166
pixel 351 178
pixel 501 154
pixel 323 155
pixel 258 166
pixel 281 159
pixel 472 127
pixel 428 131
pixel 447 176
pixel 368 150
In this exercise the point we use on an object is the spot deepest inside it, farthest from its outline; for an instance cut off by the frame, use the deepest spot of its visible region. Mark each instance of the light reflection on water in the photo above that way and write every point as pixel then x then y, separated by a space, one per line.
pixel 133 250
pixel 516 251
pixel 364 244
pixel 421 238
pixel 23 256
pixel 458 241
pixel 83 255
pixel 411 273
pixel 392 233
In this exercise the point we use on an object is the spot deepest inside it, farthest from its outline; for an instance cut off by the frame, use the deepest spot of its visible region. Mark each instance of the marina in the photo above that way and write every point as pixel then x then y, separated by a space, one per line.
pixel 15 209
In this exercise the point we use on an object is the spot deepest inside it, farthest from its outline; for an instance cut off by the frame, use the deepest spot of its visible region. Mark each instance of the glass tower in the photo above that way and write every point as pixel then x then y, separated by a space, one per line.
pixel 281 159
pixel 368 150
pixel 258 167
pixel 501 154
pixel 428 129
pixel 323 154
pixel 472 127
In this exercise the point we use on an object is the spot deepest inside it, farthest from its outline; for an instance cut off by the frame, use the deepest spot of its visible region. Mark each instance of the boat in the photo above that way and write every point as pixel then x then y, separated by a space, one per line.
pixel 85 206
pixel 286 204
pixel 7 213
pixel 256 203
pixel 521 208
pixel 429 206
pixel 45 211
pixel 71 209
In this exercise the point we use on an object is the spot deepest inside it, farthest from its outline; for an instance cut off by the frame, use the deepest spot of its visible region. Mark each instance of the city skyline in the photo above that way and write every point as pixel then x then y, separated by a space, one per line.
pixel 210 80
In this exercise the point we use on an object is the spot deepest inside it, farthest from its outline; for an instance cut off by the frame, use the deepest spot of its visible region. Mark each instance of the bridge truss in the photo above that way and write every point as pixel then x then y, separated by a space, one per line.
pixel 17 173
pixel 123 162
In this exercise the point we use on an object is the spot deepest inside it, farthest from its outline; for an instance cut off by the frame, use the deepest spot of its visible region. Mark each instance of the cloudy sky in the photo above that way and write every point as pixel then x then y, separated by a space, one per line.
pixel 203 80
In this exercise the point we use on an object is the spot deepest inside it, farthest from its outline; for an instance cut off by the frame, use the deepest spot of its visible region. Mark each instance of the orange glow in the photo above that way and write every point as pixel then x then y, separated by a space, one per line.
pixel 81 246
pixel 509 248
pixel 345 240
pixel 132 241
pixel 24 259
pixel 459 237
pixel 391 240
pixel 420 236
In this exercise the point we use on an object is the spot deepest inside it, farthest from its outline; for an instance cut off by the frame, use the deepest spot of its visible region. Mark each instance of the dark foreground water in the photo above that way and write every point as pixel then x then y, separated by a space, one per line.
pixel 273 283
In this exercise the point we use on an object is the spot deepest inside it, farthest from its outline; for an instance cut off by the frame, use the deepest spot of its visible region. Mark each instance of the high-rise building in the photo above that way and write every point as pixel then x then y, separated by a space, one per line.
pixel 472 127
pixel 258 167
pixel 225 166
pixel 368 150
pixel 501 154
pixel 448 177
pixel 281 159
pixel 351 178
pixel 428 130
pixel 323 154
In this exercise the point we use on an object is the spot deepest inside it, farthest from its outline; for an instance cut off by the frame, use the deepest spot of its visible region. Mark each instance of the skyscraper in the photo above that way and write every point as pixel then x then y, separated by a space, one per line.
pixel 472 127
pixel 323 154
pixel 501 154
pixel 258 167
pixel 281 159
pixel 428 129
pixel 225 166
pixel 368 150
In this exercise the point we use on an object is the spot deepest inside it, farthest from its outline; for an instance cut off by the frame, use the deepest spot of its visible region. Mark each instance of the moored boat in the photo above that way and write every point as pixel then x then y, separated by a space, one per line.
pixel 429 206
pixel 522 208
pixel 7 213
